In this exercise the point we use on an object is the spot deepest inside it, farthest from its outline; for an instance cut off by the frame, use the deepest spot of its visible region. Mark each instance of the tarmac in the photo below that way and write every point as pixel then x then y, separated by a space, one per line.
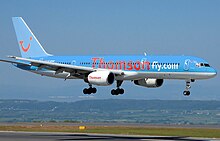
pixel 51 136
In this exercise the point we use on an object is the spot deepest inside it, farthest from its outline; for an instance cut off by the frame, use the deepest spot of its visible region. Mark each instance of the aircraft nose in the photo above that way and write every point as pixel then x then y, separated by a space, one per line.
pixel 213 73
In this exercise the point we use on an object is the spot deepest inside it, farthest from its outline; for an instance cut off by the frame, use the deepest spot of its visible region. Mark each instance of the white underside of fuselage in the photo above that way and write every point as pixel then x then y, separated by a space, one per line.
pixel 130 75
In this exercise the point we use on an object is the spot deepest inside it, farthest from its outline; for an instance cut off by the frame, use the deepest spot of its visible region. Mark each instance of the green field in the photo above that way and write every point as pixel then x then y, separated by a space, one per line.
pixel 133 130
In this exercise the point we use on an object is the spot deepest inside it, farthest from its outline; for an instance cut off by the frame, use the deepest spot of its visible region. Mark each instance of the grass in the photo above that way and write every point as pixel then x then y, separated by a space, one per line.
pixel 133 130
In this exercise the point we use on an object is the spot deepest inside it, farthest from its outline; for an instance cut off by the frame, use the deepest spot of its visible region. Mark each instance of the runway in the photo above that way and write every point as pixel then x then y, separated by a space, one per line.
pixel 42 136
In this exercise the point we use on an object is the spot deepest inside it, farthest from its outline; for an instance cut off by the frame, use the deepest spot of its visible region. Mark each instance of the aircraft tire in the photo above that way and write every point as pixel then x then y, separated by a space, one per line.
pixel 93 90
pixel 85 91
pixel 186 93
pixel 113 92
pixel 121 91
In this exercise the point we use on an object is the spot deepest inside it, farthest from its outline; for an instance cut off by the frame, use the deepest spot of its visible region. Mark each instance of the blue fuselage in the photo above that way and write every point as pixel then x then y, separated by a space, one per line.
pixel 163 67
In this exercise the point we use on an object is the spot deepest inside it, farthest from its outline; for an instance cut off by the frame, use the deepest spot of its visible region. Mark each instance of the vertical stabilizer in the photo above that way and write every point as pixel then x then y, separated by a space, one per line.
pixel 28 44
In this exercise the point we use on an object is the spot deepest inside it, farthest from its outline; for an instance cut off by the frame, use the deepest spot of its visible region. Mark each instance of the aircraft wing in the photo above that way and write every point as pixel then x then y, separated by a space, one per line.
pixel 73 69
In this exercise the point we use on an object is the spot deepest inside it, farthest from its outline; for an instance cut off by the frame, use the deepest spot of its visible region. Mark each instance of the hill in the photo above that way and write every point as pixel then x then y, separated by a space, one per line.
pixel 112 110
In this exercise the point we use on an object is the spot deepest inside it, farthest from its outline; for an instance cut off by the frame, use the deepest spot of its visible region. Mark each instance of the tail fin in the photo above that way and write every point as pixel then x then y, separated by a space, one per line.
pixel 28 43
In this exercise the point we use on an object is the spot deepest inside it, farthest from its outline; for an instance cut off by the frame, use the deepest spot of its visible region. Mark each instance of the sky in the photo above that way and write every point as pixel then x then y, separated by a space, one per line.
pixel 111 27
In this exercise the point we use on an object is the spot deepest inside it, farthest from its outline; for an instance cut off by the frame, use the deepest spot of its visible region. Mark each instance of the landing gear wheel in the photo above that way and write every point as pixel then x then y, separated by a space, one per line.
pixel 89 90
pixel 117 91
pixel 93 90
pixel 186 93
pixel 86 91
pixel 121 91
pixel 113 92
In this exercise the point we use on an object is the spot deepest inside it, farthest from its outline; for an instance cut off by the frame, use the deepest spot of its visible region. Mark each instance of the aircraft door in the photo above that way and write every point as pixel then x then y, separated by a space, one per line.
pixel 187 65
pixel 192 65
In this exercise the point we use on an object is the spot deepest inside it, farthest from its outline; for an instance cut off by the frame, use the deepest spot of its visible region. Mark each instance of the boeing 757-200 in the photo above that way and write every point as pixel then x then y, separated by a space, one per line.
pixel 143 70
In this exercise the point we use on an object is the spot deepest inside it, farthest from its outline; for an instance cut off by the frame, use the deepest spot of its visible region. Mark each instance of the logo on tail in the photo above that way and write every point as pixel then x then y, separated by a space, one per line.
pixel 22 46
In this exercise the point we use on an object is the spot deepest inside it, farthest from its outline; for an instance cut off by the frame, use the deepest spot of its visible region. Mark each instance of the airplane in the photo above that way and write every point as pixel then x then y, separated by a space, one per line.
pixel 142 70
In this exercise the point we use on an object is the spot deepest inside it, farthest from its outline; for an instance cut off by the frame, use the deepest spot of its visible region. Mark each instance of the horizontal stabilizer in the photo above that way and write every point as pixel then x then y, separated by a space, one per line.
pixel 14 62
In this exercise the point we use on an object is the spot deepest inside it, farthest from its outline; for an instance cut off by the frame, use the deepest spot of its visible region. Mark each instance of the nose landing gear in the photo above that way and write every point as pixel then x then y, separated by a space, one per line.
pixel 187 92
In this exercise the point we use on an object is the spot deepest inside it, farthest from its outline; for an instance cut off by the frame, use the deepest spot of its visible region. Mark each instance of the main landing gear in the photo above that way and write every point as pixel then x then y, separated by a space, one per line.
pixel 118 90
pixel 187 92
pixel 90 90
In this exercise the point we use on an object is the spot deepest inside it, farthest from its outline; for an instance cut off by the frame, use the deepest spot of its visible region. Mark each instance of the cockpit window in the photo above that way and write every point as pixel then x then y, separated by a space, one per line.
pixel 203 65
pixel 207 65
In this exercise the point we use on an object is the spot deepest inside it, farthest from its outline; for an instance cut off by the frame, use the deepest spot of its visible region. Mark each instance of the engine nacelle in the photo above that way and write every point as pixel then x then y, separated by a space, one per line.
pixel 100 78
pixel 150 83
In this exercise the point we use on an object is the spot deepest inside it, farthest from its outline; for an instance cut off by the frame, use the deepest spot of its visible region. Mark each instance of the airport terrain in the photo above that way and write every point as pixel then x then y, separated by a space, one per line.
pixel 123 117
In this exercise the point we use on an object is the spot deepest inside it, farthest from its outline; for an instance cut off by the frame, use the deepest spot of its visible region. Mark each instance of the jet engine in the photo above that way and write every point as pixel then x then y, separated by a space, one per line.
pixel 148 82
pixel 100 78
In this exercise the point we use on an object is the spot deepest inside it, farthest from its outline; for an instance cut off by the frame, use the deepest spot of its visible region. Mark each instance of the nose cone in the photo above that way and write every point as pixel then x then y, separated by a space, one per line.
pixel 213 73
